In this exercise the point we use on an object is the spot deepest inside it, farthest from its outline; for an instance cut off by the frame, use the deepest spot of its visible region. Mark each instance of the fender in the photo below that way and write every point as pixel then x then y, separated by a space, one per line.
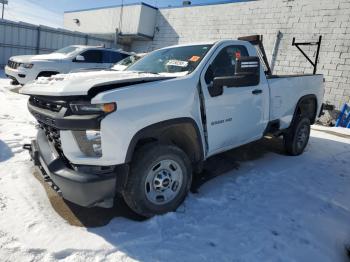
pixel 158 130
pixel 300 101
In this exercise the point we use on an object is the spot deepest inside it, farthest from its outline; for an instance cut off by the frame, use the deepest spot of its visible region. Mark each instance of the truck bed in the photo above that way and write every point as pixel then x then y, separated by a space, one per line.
pixel 285 92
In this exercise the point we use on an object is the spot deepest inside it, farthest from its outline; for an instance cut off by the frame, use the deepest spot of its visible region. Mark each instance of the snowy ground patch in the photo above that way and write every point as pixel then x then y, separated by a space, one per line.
pixel 260 205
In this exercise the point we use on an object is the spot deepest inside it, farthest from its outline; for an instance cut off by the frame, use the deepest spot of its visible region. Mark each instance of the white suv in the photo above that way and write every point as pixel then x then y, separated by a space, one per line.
pixel 26 68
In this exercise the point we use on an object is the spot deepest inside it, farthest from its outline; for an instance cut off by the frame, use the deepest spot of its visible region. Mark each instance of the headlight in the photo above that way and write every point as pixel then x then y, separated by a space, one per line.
pixel 83 108
pixel 89 142
pixel 94 138
pixel 27 66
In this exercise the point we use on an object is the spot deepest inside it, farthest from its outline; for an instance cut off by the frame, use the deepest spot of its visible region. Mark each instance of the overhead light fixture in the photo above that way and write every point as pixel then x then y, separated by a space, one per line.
pixel 77 21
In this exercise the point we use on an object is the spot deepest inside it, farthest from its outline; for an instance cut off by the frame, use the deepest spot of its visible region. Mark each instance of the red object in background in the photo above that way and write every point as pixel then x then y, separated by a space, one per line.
pixel 238 55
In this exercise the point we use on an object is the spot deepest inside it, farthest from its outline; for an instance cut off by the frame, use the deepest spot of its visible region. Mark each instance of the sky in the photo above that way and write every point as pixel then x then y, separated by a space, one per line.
pixel 66 5
pixel 50 12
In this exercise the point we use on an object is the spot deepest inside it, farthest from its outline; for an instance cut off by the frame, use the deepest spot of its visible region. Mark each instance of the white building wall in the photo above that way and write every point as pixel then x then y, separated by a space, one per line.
pixel 148 19
pixel 129 20
pixel 99 22
pixel 305 20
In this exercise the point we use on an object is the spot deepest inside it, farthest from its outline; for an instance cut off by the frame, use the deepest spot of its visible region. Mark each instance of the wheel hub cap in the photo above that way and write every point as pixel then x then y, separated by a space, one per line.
pixel 302 136
pixel 163 182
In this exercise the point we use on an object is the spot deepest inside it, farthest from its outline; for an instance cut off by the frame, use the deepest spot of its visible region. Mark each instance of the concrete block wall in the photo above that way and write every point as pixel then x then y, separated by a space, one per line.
pixel 305 20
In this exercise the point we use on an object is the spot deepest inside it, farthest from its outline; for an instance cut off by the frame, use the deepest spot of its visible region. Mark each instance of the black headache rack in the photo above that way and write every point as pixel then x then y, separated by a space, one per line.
pixel 257 41
pixel 318 44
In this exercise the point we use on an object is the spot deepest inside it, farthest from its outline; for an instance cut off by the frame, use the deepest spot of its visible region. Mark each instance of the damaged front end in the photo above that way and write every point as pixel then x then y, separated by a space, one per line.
pixel 85 185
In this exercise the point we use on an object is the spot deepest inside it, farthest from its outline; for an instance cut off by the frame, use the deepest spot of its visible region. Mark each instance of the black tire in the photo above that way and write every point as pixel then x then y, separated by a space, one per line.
pixel 143 166
pixel 14 82
pixel 297 137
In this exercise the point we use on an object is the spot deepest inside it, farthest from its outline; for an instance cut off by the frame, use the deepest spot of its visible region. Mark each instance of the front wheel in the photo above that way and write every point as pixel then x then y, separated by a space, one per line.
pixel 297 137
pixel 159 179
pixel 14 82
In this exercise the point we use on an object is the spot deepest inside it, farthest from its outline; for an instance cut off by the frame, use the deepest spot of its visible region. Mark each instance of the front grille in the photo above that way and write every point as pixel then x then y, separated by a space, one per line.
pixel 53 135
pixel 13 64
pixel 46 104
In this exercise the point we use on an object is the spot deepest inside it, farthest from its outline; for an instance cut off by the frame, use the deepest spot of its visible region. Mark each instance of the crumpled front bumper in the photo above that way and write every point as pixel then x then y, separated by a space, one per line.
pixel 84 189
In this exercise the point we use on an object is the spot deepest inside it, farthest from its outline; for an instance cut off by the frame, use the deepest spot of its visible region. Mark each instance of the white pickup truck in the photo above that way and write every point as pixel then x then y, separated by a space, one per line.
pixel 144 132
pixel 26 68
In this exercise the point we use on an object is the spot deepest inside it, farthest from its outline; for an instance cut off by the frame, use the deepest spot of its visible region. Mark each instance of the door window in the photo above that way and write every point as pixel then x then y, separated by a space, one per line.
pixel 92 56
pixel 113 57
pixel 225 62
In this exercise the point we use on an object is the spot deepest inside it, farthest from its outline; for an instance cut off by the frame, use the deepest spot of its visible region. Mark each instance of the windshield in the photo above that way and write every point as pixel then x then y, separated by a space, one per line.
pixel 129 60
pixel 66 50
pixel 171 60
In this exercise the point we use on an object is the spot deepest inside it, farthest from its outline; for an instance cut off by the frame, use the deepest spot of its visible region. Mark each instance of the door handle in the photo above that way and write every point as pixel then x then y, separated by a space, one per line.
pixel 256 91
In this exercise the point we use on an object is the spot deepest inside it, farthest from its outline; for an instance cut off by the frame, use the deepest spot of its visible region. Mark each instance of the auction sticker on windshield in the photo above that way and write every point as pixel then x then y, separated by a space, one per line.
pixel 178 63
pixel 194 58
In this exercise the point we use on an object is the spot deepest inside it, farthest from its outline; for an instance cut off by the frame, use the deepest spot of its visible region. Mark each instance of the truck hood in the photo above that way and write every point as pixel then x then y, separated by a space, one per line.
pixel 77 84
pixel 31 58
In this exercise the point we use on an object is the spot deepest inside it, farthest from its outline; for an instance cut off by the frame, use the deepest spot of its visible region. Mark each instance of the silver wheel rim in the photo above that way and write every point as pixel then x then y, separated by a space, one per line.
pixel 163 182
pixel 302 136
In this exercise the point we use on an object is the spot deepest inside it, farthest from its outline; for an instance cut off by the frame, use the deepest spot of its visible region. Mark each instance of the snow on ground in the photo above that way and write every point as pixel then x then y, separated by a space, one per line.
pixel 273 208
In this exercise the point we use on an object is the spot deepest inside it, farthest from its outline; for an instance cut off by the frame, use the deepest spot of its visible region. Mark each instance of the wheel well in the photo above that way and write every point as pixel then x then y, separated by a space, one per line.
pixel 47 73
pixel 182 133
pixel 307 107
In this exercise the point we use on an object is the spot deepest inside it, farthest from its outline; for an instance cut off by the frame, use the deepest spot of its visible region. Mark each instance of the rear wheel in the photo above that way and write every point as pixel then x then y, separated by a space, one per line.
pixel 159 179
pixel 297 137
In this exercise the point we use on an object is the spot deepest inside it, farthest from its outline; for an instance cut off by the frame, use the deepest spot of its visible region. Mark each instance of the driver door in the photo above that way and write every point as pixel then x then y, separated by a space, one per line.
pixel 236 116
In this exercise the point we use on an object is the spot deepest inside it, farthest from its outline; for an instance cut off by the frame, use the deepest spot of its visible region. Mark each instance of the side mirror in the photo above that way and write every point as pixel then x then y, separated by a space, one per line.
pixel 249 65
pixel 247 73
pixel 79 58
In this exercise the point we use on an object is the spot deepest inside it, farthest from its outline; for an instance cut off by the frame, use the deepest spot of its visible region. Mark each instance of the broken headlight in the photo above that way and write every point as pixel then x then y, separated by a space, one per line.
pixel 94 138
pixel 89 142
